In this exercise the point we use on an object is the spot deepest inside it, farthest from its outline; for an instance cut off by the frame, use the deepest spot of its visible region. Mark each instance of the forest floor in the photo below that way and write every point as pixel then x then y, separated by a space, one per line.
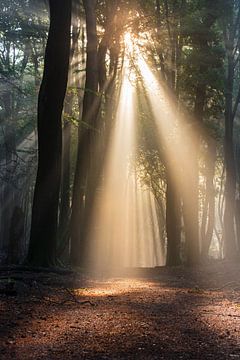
pixel 160 313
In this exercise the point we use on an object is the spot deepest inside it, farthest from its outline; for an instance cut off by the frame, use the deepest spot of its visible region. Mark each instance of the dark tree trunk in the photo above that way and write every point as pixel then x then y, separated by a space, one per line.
pixel 191 202
pixel 209 208
pixel 173 203
pixel 15 235
pixel 43 238
pixel 64 211
pixel 230 185
pixel 86 140
pixel 173 223
pixel 65 205
pixel 8 190
pixel 190 194
pixel 237 220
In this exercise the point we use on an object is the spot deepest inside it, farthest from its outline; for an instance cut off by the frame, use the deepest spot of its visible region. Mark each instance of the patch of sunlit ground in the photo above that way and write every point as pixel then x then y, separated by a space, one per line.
pixel 113 287
pixel 175 313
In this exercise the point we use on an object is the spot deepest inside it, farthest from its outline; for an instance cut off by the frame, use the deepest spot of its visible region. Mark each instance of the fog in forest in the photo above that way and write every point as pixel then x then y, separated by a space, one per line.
pixel 143 168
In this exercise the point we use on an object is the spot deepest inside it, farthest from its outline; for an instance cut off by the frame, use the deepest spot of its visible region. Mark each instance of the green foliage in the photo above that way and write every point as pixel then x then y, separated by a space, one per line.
pixel 23 31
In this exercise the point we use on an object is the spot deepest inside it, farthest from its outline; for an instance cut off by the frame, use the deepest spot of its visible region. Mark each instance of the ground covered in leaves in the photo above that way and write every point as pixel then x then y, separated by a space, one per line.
pixel 161 313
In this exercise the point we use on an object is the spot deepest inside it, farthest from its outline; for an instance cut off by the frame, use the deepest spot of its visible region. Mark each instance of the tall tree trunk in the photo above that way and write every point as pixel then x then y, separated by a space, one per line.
pixel 173 222
pixel 237 220
pixel 64 211
pixel 191 219
pixel 173 203
pixel 230 185
pixel 209 209
pixel 86 139
pixel 65 206
pixel 9 191
pixel 190 195
pixel 43 238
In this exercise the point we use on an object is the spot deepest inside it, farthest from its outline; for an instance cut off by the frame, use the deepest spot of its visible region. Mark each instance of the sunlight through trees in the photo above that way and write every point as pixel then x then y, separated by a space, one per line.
pixel 137 159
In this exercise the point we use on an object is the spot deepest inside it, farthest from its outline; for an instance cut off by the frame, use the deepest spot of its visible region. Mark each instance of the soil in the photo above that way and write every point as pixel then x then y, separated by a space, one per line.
pixel 160 313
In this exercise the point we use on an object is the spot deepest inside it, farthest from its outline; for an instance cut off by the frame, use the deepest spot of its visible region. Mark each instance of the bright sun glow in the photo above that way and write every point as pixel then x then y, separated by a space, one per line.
pixel 128 41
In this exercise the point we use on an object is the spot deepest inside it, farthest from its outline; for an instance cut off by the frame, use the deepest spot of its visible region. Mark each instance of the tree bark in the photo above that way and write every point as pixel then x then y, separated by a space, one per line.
pixel 43 237
pixel 190 195
pixel 191 218
pixel 173 223
pixel 86 139
pixel 209 208
pixel 65 204
pixel 230 184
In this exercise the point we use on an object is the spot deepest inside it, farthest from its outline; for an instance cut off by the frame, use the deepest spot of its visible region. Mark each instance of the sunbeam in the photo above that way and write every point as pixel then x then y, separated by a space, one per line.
pixel 124 213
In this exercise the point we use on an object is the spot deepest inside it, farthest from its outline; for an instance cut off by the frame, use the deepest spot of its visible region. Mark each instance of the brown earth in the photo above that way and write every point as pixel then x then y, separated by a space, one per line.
pixel 159 313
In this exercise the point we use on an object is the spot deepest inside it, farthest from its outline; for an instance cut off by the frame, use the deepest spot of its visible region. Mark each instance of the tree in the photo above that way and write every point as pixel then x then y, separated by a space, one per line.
pixel 43 236
pixel 202 40
pixel 86 138
pixel 68 116
pixel 17 108
pixel 231 33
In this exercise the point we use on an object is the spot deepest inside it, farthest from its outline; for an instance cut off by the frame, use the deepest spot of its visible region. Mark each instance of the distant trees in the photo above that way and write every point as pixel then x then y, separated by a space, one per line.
pixel 189 56
pixel 17 110
pixel 203 39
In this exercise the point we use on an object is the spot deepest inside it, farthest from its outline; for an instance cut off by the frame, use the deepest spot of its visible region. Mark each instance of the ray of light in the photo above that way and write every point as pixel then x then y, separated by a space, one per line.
pixel 177 135
pixel 177 138
pixel 121 231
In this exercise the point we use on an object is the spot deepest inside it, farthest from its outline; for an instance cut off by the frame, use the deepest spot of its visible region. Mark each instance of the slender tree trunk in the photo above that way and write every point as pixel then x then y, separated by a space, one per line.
pixel 191 218
pixel 190 213
pixel 237 220
pixel 173 223
pixel 190 196
pixel 230 185
pixel 43 238
pixel 10 152
pixel 65 206
pixel 86 139
pixel 208 226
pixel 173 207
pixel 64 211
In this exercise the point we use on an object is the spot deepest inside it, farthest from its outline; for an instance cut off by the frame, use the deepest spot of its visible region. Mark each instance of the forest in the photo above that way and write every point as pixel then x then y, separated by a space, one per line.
pixel 120 179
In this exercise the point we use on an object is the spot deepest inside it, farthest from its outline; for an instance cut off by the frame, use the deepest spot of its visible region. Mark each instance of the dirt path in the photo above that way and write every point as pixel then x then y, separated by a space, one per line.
pixel 160 314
